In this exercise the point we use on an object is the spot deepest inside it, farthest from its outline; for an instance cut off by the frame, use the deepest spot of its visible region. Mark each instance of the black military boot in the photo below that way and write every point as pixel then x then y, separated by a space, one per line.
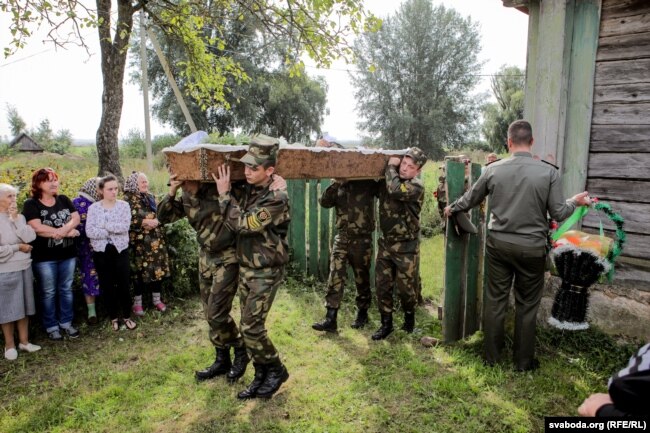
pixel 219 367
pixel 409 321
pixel 258 379
pixel 361 320
pixel 386 327
pixel 329 324
pixel 238 364
pixel 276 375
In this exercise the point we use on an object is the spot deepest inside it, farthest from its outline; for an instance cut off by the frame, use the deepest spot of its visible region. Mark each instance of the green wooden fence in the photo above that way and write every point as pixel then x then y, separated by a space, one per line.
pixel 464 273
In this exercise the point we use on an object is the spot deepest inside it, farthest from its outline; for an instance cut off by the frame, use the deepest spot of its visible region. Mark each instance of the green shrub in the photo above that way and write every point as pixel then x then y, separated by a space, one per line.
pixel 161 141
pixel 184 257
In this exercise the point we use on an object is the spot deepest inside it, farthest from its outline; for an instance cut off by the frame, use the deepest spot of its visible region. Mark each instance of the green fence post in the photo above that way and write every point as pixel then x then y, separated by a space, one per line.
pixel 473 263
pixel 324 250
pixel 313 228
pixel 451 323
pixel 296 189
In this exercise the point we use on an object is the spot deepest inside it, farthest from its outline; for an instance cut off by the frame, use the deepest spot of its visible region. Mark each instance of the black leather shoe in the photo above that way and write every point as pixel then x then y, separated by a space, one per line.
pixel 219 367
pixel 238 364
pixel 361 320
pixel 258 379
pixel 532 366
pixel 329 324
pixel 276 375
pixel 409 321
pixel 386 327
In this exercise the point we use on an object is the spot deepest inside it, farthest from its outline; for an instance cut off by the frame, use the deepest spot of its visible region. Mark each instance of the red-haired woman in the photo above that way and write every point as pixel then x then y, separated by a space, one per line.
pixel 54 219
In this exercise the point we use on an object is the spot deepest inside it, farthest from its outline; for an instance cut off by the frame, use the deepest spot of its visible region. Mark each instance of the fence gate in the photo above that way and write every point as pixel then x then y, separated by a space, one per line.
pixel 464 256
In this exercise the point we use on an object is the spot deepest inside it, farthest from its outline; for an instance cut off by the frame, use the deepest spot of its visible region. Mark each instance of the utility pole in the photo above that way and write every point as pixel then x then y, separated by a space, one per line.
pixel 145 92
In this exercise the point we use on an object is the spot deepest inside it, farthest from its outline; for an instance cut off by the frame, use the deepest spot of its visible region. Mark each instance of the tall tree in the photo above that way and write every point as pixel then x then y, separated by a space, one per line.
pixel 255 105
pixel 416 76
pixel 508 89
pixel 317 27
pixel 16 123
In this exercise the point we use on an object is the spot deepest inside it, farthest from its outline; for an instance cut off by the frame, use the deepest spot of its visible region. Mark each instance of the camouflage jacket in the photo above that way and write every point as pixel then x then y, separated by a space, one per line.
pixel 204 215
pixel 260 218
pixel 354 202
pixel 400 203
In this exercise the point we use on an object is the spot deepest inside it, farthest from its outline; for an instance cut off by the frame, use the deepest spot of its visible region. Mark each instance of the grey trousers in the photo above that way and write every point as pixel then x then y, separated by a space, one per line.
pixel 525 265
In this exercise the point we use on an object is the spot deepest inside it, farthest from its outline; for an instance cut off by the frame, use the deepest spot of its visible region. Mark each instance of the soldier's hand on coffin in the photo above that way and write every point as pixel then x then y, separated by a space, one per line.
pixel 222 179
pixel 394 160
pixel 174 185
pixel 278 184
pixel 582 199
pixel 447 211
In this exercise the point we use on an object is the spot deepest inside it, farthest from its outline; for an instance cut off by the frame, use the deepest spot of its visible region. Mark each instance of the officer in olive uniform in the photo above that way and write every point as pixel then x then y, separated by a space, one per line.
pixel 260 217
pixel 354 202
pixel 400 202
pixel 218 271
pixel 521 191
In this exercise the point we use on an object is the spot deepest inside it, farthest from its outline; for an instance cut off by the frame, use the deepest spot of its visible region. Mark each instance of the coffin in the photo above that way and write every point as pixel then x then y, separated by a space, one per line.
pixel 294 162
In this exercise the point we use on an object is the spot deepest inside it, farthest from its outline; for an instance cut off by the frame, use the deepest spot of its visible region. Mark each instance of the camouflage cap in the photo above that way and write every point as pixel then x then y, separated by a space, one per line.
pixel 417 155
pixel 261 149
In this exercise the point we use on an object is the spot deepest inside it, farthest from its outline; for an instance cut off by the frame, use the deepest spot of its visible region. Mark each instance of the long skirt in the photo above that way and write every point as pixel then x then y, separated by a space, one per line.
pixel 16 295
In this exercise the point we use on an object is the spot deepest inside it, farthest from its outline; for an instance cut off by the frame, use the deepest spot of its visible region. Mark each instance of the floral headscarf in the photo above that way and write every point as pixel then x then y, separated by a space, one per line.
pixel 89 189
pixel 131 184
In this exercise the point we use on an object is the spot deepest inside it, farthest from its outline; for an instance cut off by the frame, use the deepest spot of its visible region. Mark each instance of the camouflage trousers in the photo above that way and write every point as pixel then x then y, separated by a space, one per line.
pixel 218 285
pixel 257 289
pixel 357 252
pixel 397 265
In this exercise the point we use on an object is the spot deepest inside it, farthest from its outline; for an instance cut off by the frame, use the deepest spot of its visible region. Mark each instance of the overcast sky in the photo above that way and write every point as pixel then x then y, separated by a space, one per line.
pixel 64 86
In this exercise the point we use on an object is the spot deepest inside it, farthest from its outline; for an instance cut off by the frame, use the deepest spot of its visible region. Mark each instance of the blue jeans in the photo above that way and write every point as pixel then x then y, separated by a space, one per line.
pixel 55 280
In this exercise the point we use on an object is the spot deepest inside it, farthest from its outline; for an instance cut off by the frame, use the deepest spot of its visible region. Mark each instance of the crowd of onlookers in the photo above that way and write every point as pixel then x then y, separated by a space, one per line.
pixel 118 244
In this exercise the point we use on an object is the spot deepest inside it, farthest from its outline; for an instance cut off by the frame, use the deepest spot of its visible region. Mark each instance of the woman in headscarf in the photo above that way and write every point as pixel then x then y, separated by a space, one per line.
pixel 16 278
pixel 149 259
pixel 88 194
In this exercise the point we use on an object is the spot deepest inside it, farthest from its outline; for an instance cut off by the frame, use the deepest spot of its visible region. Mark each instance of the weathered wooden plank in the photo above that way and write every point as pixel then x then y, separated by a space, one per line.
pixel 636 246
pixel 623 93
pixel 324 253
pixel 584 43
pixel 471 319
pixel 623 8
pixel 313 227
pixel 454 253
pixel 619 165
pixel 293 162
pixel 620 138
pixel 296 190
pixel 622 71
pixel 636 216
pixel 618 189
pixel 633 272
pixel 621 114
pixel 629 46
pixel 638 23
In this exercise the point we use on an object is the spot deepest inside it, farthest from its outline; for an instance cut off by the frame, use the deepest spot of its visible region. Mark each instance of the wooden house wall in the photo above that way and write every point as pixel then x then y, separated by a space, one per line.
pixel 619 153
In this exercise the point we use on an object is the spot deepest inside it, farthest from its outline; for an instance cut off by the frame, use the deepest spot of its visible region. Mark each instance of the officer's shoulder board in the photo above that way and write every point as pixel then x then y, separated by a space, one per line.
pixel 551 164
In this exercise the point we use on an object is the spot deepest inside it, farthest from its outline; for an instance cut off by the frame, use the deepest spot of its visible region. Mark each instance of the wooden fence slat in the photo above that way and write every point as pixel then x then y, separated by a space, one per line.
pixel 324 250
pixel 618 189
pixel 473 263
pixel 451 325
pixel 313 227
pixel 633 166
pixel 296 189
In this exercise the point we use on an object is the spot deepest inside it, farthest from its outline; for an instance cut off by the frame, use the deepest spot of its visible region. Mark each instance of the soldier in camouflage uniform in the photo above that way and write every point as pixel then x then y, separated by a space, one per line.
pixel 400 201
pixel 260 218
pixel 354 202
pixel 218 271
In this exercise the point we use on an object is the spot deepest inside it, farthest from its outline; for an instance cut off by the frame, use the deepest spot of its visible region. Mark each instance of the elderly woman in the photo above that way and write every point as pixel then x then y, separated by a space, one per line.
pixel 107 227
pixel 54 219
pixel 149 259
pixel 88 194
pixel 16 278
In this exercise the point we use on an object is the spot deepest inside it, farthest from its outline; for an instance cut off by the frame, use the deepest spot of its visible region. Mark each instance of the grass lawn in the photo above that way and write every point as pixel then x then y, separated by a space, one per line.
pixel 143 381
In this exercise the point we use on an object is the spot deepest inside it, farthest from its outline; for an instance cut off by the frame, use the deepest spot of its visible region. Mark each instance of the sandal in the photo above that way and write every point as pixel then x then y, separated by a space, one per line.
pixel 115 323
pixel 130 324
